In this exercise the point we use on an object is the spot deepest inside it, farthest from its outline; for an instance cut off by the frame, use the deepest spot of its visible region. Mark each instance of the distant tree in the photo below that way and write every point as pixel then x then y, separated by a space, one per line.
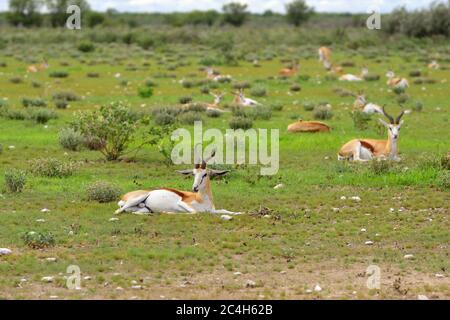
pixel 235 13
pixel 298 12
pixel 95 19
pixel 58 10
pixel 25 12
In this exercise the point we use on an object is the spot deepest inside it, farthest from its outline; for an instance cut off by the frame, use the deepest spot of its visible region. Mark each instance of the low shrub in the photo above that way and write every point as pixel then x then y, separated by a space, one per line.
pixel 103 192
pixel 61 104
pixel 190 117
pixel 70 139
pixel 145 92
pixel 42 115
pixel 417 106
pixel 93 75
pixel 65 95
pixel 58 74
pixel 39 240
pixel 185 100
pixel 415 73
pixel 361 120
pixel 240 123
pixel 372 77
pixel 86 47
pixel 213 113
pixel 443 179
pixel 52 168
pixel 309 106
pixel 295 88
pixel 258 91
pixel 16 80
pixel 322 113
pixel 15 180
pixel 30 102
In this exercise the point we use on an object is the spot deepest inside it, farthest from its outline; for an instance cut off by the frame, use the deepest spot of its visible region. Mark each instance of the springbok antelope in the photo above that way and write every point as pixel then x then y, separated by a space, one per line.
pixel 362 105
pixel 176 201
pixel 368 149
pixel 241 100
pixel 212 75
pixel 39 67
pixel 353 78
pixel 325 57
pixel 308 126
pixel 396 82
pixel 290 71
pixel 215 105
pixel 434 65
pixel 332 68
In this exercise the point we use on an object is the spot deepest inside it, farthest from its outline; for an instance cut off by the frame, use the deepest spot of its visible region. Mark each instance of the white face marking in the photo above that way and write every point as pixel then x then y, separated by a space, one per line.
pixel 394 131
pixel 200 178
pixel 362 99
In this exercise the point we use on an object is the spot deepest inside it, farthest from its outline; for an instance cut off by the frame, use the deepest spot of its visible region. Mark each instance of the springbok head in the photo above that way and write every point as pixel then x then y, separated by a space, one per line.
pixel 364 71
pixel 217 97
pixel 394 125
pixel 201 173
pixel 390 74
pixel 360 98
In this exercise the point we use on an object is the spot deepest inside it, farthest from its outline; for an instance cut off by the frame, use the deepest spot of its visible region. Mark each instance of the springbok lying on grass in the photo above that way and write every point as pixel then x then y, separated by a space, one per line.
pixel 212 75
pixel 434 65
pixel 368 149
pixel 362 105
pixel 290 71
pixel 241 100
pixel 39 67
pixel 353 78
pixel 396 82
pixel 176 201
pixel 308 126
pixel 215 105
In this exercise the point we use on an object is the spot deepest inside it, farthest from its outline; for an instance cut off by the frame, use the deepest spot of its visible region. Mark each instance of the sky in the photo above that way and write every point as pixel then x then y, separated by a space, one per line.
pixel 258 6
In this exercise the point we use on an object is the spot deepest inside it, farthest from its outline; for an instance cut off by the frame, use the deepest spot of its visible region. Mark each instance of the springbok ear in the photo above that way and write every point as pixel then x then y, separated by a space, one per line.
pixel 188 172
pixel 384 123
pixel 216 173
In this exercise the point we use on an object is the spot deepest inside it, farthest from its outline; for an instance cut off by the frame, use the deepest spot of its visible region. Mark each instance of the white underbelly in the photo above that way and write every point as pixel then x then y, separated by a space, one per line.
pixel 365 154
pixel 164 201
pixel 372 108
pixel 350 77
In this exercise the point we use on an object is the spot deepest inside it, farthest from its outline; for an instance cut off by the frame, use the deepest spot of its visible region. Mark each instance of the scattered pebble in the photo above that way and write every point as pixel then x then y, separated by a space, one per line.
pixel 408 256
pixel 87 278
pixel 438 275
pixel 317 288
pixel 237 273
pixel 47 279
pixel 391 209
pixel 45 210
pixel 226 217
pixel 119 288
pixel 267 216
pixel 363 230
pixel 308 291
pixel 368 243
pixel 114 219
pixel 336 209
pixel 356 198
pixel 137 287
pixel 40 220
pixel 250 284
pixel 11 147
pixel 343 198
pixel 5 251
pixel 279 186
pixel 51 259
pixel 422 297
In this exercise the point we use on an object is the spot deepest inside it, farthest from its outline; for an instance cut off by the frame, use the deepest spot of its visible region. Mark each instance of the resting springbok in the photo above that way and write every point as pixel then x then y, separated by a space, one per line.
pixel 353 78
pixel 368 149
pixel 290 71
pixel 434 65
pixel 241 100
pixel 308 126
pixel 212 75
pixel 215 105
pixel 325 57
pixel 176 201
pixel 39 67
pixel 362 105
pixel 396 82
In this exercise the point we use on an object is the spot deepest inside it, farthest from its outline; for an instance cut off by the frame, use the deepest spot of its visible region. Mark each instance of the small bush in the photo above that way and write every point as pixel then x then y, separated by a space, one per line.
pixel 417 106
pixel 197 107
pixel 361 120
pixel 150 83
pixel 380 167
pixel 295 88
pixel 65 95
pixel 145 92
pixel 61 104
pixel 348 64
pixel 443 179
pixel 240 123
pixel 276 106
pixel 185 100
pixel 36 84
pixel 399 90
pixel 303 77
pixel 309 106
pixel 415 73
pixel 190 117
pixel 58 74
pixel 15 180
pixel 402 98
pixel 39 240
pixel 322 113
pixel 263 113
pixel 12 114
pixel 86 47
pixel 445 162
pixel 372 77
pixel 93 75
pixel 213 113
pixel 52 168
pixel 242 85
pixel 164 118
pixel 103 192
pixel 16 80
pixel 70 139
pixel 258 91
pixel 29 102
pixel 42 115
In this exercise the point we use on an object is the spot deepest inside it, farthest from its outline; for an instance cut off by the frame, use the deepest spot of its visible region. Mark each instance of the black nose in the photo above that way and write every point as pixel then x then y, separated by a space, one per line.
pixel 195 189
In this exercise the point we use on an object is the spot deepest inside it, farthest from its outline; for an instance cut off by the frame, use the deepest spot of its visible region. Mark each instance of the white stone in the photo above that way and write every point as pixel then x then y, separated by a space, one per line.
pixel 119 288
pixel 336 209
pixel 47 279
pixel 356 198
pixel 5 251
pixel 250 284
pixel 317 288
pixel 408 256
pixel 51 259
pixel 279 186
pixel 45 210
pixel 87 278
pixel 40 220
pixel 422 297
pixel 114 219
pixel 363 230
pixel 137 287
pixel 226 217
pixel 267 216
pixel 368 243
pixel 308 291
pixel 237 273
pixel 343 197
pixel 53 297
pixel 438 275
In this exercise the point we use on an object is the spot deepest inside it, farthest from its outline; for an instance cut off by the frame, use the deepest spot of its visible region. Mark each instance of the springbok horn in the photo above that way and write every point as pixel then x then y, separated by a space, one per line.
pixel 397 121
pixel 213 153
pixel 197 155
pixel 388 116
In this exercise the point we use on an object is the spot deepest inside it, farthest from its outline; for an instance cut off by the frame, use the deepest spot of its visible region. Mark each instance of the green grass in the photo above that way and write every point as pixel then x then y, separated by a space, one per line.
pixel 304 237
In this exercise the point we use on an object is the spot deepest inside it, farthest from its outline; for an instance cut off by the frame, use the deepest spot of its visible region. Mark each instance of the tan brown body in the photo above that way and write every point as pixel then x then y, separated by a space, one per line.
pixel 308 126
pixel 379 148
pixel 37 68
pixel 324 54
pixel 289 72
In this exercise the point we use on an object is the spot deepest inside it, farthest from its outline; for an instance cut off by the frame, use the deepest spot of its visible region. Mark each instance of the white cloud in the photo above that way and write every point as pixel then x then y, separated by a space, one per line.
pixel 254 5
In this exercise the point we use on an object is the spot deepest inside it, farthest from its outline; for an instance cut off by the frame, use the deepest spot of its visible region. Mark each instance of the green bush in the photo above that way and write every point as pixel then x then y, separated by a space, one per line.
pixel 29 102
pixel 164 118
pixel 145 92
pixel 309 106
pixel 361 120
pixel 445 161
pixel 42 115
pixel 415 73
pixel 443 179
pixel 103 192
pixel 185 100
pixel 258 91
pixel 378 167
pixel 240 123
pixel 39 240
pixel 61 104
pixel 70 139
pixel 402 98
pixel 16 80
pixel 262 112
pixel 417 106
pixel 213 113
pixel 295 88
pixel 276 106
pixel 372 77
pixel 65 95
pixel 52 168
pixel 93 75
pixel 86 47
pixel 15 180
pixel 190 117
pixel 322 113
pixel 58 74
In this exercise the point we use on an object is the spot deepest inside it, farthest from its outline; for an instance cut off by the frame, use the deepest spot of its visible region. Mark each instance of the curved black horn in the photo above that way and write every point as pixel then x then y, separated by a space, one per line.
pixel 397 121
pixel 391 119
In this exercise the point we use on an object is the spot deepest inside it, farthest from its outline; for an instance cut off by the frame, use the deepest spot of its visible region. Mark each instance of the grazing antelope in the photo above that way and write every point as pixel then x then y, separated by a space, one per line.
pixel 39 67
pixel 212 75
pixel 308 126
pixel 353 78
pixel 434 65
pixel 396 82
pixel 368 149
pixel 177 201
pixel 362 105
pixel 290 71
pixel 241 100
